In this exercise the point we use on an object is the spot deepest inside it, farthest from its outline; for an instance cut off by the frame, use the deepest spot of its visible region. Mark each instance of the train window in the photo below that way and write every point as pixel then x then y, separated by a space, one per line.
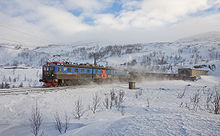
pixel 59 68
pixel 64 69
pixel 44 68
pixel 69 69
pixel 51 68
pixel 82 70
pixel 96 71
pixel 47 68
pixel 77 70
pixel 108 72
pixel 113 72
pixel 88 70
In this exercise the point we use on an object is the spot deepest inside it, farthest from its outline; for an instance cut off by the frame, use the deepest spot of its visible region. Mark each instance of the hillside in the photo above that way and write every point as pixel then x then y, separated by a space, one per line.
pixel 158 56
pixel 164 57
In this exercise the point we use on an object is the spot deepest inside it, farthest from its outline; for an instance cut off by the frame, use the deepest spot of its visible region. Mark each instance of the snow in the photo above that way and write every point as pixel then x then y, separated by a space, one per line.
pixel 27 76
pixel 153 108
pixel 163 115
pixel 155 57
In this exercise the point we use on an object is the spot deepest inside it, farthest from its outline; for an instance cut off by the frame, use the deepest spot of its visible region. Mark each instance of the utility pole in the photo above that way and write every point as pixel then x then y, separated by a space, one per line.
pixel 95 55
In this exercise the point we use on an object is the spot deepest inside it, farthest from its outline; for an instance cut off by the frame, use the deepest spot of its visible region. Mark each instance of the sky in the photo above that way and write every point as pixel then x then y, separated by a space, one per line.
pixel 42 22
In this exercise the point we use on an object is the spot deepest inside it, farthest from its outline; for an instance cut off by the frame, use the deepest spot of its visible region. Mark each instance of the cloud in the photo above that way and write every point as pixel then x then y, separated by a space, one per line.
pixel 60 21
pixel 190 26
pixel 151 13
pixel 34 22
pixel 17 31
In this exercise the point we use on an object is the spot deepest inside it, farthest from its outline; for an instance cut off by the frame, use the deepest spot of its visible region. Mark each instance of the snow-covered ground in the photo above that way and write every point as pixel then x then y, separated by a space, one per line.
pixel 18 78
pixel 154 108
pixel 162 107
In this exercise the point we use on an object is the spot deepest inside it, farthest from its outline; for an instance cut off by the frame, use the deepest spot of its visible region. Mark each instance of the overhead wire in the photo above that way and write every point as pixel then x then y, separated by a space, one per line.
pixel 17 42
pixel 17 30
pixel 25 33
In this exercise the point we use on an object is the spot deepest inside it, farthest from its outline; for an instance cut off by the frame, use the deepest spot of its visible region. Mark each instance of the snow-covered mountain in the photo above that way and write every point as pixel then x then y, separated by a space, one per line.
pixel 157 56
pixel 205 37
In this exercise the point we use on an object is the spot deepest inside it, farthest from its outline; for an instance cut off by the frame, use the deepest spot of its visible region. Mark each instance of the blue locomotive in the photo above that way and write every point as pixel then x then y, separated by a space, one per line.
pixel 65 74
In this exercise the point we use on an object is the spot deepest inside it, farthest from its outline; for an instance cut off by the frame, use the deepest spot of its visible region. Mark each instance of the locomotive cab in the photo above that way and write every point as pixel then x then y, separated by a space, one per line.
pixel 48 76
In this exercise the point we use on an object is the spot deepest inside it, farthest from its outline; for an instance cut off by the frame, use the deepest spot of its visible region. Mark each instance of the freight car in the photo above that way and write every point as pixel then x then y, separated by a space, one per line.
pixel 138 76
pixel 65 74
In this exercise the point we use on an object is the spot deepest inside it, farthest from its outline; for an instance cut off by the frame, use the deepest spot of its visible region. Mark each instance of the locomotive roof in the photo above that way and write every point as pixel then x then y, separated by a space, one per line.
pixel 66 64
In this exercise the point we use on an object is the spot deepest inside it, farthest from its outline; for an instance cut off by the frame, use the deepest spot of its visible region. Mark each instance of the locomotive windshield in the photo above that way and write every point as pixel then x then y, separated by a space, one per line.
pixel 44 68
pixel 48 68
pixel 51 68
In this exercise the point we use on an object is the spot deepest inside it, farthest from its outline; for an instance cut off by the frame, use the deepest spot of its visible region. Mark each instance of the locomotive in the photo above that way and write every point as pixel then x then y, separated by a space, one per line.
pixel 66 74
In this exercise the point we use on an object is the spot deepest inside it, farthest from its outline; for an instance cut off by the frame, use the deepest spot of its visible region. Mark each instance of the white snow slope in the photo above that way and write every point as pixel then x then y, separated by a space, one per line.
pixel 152 109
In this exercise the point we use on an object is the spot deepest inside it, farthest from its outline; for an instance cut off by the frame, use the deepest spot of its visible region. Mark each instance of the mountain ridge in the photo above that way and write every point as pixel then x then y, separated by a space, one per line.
pixel 156 56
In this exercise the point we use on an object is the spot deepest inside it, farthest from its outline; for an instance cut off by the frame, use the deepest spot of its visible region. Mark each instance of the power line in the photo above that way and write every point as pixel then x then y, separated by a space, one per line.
pixel 9 40
pixel 19 31
pixel 17 42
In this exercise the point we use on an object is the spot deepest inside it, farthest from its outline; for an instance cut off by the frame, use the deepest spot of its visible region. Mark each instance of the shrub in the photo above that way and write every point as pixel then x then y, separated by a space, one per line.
pixel 106 101
pixel 216 102
pixel 95 102
pixel 59 125
pixel 78 111
pixel 36 120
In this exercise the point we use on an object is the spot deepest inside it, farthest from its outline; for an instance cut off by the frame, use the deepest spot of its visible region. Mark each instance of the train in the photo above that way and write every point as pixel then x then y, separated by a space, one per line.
pixel 66 74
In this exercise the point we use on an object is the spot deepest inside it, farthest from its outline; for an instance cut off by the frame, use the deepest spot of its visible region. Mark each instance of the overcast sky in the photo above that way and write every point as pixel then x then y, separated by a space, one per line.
pixel 41 22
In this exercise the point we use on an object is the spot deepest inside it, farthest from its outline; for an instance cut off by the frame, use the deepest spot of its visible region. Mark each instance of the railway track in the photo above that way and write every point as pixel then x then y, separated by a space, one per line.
pixel 16 91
